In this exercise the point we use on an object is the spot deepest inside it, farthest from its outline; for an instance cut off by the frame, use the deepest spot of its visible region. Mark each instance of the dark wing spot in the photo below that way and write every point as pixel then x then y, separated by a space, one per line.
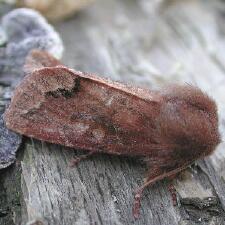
pixel 64 92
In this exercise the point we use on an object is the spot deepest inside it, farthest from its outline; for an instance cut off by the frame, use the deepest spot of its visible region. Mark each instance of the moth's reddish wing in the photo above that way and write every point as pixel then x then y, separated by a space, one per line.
pixel 69 108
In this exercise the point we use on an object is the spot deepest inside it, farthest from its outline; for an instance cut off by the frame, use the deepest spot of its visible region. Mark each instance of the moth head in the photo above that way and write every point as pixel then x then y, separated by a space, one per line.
pixel 189 119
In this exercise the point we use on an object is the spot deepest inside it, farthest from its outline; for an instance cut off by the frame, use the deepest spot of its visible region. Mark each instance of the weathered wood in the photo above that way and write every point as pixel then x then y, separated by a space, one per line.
pixel 148 43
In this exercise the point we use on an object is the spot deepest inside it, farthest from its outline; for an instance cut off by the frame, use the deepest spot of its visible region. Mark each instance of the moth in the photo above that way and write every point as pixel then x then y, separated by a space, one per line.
pixel 170 128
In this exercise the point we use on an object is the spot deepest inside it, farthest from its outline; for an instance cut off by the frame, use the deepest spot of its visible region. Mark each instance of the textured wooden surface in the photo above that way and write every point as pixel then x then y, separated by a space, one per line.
pixel 148 43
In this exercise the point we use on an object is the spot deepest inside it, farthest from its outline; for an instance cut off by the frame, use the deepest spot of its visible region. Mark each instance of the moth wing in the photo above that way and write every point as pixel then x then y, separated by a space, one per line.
pixel 38 59
pixel 80 110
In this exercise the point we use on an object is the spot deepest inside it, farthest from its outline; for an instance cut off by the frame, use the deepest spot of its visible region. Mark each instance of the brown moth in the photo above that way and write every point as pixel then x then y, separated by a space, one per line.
pixel 169 128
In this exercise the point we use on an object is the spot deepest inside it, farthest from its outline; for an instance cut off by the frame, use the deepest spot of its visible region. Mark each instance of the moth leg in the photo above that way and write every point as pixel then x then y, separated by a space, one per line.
pixel 76 160
pixel 152 178
pixel 139 193
pixel 172 189
pixel 172 177
pixel 173 193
